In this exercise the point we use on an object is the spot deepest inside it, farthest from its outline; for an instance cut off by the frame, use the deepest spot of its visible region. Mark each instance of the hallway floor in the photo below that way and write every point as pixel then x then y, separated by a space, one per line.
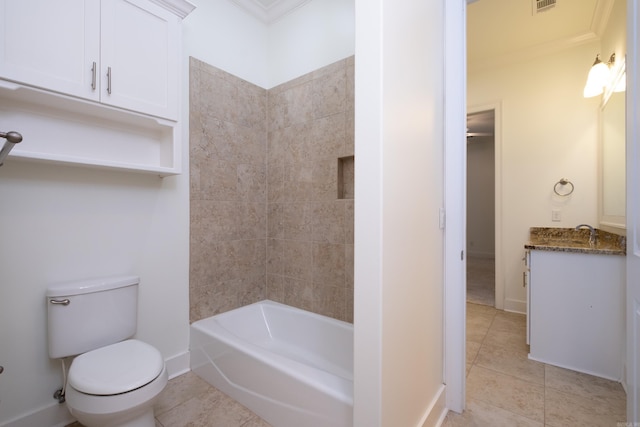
pixel 481 279
pixel 505 388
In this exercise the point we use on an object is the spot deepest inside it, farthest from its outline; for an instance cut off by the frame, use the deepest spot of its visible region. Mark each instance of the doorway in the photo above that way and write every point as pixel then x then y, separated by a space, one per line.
pixel 481 183
pixel 484 283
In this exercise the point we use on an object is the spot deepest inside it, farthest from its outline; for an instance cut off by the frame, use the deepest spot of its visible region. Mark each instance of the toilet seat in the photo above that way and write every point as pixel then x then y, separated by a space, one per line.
pixel 115 369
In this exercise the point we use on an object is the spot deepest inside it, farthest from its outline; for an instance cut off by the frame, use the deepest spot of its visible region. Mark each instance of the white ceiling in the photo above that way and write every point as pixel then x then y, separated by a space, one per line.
pixel 269 10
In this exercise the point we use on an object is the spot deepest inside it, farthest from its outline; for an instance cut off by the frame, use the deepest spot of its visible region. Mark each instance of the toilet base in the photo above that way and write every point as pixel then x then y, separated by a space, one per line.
pixel 132 409
pixel 145 419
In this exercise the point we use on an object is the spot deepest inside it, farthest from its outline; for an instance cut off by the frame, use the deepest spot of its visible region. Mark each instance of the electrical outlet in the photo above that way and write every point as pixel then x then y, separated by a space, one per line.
pixel 556 216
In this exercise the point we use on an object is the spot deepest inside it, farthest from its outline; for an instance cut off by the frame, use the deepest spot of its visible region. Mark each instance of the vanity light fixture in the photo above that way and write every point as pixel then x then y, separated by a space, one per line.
pixel 599 76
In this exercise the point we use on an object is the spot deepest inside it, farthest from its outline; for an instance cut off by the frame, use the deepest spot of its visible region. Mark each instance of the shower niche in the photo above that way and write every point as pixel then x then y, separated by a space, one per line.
pixel 346 175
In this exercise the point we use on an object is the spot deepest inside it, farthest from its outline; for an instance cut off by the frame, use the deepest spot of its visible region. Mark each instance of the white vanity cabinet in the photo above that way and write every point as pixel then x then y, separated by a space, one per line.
pixel 576 311
pixel 122 53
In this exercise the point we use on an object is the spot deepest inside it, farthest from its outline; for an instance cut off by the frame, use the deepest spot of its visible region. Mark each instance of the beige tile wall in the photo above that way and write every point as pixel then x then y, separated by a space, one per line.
pixel 310 230
pixel 228 191
pixel 266 221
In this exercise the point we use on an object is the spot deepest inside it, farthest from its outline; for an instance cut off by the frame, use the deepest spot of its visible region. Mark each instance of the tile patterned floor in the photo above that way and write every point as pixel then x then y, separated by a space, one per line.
pixel 504 388
pixel 481 279
pixel 188 401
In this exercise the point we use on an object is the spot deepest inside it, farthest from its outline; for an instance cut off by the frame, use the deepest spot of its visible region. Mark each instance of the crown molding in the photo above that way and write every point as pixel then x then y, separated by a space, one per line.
pixel 180 8
pixel 601 16
pixel 532 52
pixel 272 12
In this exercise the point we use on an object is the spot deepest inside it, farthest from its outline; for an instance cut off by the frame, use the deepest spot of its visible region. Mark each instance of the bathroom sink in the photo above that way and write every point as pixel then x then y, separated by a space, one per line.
pixel 572 240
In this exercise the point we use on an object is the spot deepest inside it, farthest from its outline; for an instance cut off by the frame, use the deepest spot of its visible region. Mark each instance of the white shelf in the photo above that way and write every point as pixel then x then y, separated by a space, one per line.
pixel 63 129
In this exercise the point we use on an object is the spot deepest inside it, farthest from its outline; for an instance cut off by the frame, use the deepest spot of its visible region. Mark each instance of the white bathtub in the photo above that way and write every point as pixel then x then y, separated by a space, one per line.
pixel 291 367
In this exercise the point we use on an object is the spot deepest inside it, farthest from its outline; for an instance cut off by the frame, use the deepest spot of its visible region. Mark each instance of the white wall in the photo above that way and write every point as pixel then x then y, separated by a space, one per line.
pixel 62 223
pixel 222 34
pixel 398 376
pixel 549 131
pixel 615 35
pixel 310 37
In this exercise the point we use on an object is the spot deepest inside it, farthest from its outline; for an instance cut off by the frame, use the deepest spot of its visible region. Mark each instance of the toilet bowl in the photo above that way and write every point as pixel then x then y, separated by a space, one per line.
pixel 113 380
pixel 116 385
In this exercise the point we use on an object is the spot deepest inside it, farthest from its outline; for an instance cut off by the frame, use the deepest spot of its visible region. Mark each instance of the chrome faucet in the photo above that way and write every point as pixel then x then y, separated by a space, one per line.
pixel 592 234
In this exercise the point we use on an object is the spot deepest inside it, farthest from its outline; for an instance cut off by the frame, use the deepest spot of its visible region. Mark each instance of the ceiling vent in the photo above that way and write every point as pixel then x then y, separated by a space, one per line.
pixel 542 5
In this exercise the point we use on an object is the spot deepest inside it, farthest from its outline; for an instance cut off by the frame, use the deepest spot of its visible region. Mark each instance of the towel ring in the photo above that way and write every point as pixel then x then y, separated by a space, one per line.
pixel 562 183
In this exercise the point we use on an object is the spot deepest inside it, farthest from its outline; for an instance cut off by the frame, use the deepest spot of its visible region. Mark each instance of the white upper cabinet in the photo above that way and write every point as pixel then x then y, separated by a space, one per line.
pixel 122 53
pixel 51 44
pixel 93 82
pixel 140 57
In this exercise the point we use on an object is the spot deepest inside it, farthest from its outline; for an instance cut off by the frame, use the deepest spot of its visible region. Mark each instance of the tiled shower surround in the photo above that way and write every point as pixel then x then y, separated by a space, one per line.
pixel 272 191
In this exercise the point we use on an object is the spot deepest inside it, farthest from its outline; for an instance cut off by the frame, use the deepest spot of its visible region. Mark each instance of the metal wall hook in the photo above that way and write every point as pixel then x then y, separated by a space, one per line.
pixel 12 138
pixel 560 186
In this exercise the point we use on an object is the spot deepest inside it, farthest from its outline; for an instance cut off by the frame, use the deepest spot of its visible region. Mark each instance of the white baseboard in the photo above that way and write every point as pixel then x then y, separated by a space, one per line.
pixel 515 306
pixel 178 364
pixel 53 415
pixel 437 410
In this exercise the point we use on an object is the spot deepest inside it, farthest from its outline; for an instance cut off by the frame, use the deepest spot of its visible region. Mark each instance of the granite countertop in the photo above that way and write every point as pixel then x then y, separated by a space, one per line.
pixel 572 240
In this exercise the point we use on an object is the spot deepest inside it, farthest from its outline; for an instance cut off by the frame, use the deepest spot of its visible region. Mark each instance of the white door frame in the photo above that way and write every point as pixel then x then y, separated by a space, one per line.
pixel 632 377
pixel 455 106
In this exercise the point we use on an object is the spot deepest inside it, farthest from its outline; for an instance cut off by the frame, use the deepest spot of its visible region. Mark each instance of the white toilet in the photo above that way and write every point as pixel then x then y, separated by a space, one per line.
pixel 113 381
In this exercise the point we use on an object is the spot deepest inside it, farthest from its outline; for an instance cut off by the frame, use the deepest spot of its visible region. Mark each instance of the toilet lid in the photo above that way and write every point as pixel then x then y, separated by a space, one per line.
pixel 115 369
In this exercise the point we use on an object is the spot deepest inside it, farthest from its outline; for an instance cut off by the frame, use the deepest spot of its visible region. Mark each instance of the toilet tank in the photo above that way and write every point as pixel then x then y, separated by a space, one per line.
pixel 89 314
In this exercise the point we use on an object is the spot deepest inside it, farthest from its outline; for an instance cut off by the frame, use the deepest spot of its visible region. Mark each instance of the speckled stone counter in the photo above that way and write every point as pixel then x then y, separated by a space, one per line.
pixel 572 240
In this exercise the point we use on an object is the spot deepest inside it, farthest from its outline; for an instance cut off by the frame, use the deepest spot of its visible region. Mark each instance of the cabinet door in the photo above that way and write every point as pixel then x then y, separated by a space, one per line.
pixel 140 46
pixel 51 44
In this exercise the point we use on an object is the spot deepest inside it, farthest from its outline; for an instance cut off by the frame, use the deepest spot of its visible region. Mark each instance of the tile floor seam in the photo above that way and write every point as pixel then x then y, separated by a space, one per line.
pixel 506 410
pixel 484 337
pixel 473 362
pixel 510 375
